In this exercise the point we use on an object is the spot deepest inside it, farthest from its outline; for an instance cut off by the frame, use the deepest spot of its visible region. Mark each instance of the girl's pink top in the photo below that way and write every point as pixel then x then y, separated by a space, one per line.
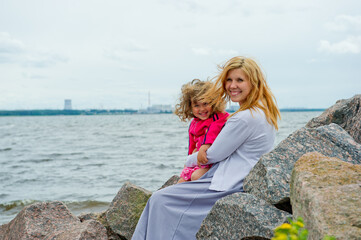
pixel 205 131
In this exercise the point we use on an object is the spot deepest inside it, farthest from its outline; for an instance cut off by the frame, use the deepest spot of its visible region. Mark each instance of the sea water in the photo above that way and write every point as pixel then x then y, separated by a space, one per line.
pixel 84 160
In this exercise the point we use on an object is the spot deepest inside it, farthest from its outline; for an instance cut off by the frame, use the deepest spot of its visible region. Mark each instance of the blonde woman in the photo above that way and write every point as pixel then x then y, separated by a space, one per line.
pixel 177 212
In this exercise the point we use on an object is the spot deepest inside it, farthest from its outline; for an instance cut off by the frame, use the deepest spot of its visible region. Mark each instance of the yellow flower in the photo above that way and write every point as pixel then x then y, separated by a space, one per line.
pixel 300 224
pixel 284 226
pixel 293 237
pixel 293 230
pixel 280 236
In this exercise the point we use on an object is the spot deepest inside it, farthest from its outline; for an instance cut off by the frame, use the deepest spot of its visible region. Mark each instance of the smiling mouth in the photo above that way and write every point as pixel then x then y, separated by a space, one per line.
pixel 235 93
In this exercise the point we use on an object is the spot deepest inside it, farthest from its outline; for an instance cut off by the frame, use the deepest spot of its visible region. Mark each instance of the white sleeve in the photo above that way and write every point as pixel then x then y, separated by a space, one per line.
pixel 234 134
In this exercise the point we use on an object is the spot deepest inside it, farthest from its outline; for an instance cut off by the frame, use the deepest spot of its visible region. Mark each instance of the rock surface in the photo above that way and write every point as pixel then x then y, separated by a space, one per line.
pixel 89 230
pixel 241 216
pixel 270 178
pixel 126 208
pixel 326 193
pixel 346 113
pixel 49 219
pixel 100 217
pixel 171 181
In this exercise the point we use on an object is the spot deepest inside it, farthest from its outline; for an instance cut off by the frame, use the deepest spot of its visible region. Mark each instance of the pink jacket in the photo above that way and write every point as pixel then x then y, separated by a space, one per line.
pixel 205 131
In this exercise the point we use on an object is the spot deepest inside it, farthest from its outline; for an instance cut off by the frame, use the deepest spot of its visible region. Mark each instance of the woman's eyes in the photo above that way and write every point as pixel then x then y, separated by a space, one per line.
pixel 238 80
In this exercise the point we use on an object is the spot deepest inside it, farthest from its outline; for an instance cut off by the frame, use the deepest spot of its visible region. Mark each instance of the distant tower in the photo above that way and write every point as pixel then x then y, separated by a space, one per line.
pixel 148 98
pixel 67 104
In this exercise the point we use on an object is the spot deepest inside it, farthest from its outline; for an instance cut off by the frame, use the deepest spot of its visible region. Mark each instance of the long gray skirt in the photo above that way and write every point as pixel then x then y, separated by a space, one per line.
pixel 176 212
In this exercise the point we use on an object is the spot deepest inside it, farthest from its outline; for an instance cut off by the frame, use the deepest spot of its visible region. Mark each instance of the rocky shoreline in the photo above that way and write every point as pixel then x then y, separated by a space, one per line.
pixel 315 173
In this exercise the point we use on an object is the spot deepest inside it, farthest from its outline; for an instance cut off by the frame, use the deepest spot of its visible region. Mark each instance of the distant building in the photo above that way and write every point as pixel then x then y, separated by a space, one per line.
pixel 232 108
pixel 67 104
pixel 159 108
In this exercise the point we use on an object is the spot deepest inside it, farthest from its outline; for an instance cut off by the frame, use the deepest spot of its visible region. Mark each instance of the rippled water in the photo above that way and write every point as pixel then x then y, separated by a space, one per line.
pixel 84 160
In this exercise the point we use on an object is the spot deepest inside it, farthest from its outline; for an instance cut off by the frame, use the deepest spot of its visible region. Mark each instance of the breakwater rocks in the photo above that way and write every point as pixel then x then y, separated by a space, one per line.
pixel 326 192
pixel 315 173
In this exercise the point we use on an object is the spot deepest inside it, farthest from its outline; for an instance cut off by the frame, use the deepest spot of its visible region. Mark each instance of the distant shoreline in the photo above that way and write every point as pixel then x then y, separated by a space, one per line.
pixel 48 112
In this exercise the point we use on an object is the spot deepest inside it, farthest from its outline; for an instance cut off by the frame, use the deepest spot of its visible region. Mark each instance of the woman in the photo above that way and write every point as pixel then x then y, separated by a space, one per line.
pixel 177 212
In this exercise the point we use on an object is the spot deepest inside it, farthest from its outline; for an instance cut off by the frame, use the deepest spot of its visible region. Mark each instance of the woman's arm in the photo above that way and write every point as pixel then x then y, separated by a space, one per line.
pixel 233 135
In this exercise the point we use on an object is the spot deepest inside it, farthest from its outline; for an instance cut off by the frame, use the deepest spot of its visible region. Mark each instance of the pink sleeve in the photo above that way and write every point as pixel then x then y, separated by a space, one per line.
pixel 215 128
pixel 192 143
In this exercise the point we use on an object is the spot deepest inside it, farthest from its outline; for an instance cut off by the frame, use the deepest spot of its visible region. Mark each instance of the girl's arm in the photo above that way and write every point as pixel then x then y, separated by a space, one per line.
pixel 233 135
pixel 191 142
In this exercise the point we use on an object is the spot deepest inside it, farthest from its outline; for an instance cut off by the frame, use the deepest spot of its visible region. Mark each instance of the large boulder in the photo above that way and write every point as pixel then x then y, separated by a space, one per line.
pixel 326 193
pixel 86 231
pixel 346 113
pixel 46 220
pixel 241 216
pixel 270 178
pixel 171 181
pixel 126 208
pixel 100 217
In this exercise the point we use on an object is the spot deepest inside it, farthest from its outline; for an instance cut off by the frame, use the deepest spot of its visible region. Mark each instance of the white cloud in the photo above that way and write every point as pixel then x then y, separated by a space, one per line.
pixel 202 51
pixel 10 48
pixel 9 44
pixel 350 45
pixel 41 60
pixel 14 51
pixel 125 52
pixel 345 23
pixel 208 51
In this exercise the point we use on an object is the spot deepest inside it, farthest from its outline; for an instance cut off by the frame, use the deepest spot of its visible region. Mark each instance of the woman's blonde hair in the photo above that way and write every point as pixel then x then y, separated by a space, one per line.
pixel 193 92
pixel 260 95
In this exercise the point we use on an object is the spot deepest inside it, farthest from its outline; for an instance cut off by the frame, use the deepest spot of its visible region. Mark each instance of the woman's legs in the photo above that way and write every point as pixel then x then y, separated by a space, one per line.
pixel 176 212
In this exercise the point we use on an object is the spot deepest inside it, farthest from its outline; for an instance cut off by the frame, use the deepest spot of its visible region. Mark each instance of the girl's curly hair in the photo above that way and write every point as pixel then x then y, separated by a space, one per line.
pixel 193 92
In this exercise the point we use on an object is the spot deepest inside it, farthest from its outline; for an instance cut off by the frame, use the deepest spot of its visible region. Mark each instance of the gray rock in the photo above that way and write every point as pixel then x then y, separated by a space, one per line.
pixel 88 230
pixel 270 177
pixel 171 181
pixel 100 217
pixel 241 216
pixel 45 219
pixel 326 193
pixel 346 113
pixel 126 208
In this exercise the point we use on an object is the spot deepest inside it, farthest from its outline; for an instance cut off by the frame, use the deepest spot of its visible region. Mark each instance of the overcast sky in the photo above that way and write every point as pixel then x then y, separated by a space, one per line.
pixel 110 54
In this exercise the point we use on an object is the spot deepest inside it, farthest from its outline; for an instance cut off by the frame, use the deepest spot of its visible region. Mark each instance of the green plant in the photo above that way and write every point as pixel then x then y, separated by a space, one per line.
pixel 291 231
pixel 294 231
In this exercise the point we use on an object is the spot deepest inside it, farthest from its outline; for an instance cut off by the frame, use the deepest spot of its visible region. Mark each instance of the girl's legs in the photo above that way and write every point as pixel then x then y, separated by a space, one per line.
pixel 181 180
pixel 198 173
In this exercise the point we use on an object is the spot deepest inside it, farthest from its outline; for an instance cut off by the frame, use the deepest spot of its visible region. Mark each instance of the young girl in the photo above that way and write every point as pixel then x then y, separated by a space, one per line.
pixel 207 122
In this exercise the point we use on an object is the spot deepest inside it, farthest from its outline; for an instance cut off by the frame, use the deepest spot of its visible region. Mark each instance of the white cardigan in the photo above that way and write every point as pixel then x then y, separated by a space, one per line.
pixel 245 137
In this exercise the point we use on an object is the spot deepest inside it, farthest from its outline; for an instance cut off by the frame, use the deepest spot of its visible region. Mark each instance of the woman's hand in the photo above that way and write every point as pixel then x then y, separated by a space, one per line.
pixel 202 155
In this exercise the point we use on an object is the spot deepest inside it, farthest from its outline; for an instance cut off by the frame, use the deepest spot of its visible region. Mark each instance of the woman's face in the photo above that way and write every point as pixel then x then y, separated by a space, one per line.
pixel 238 85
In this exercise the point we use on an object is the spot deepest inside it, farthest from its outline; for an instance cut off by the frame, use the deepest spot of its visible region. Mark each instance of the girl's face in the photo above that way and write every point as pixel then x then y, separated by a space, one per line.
pixel 201 110
pixel 238 85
